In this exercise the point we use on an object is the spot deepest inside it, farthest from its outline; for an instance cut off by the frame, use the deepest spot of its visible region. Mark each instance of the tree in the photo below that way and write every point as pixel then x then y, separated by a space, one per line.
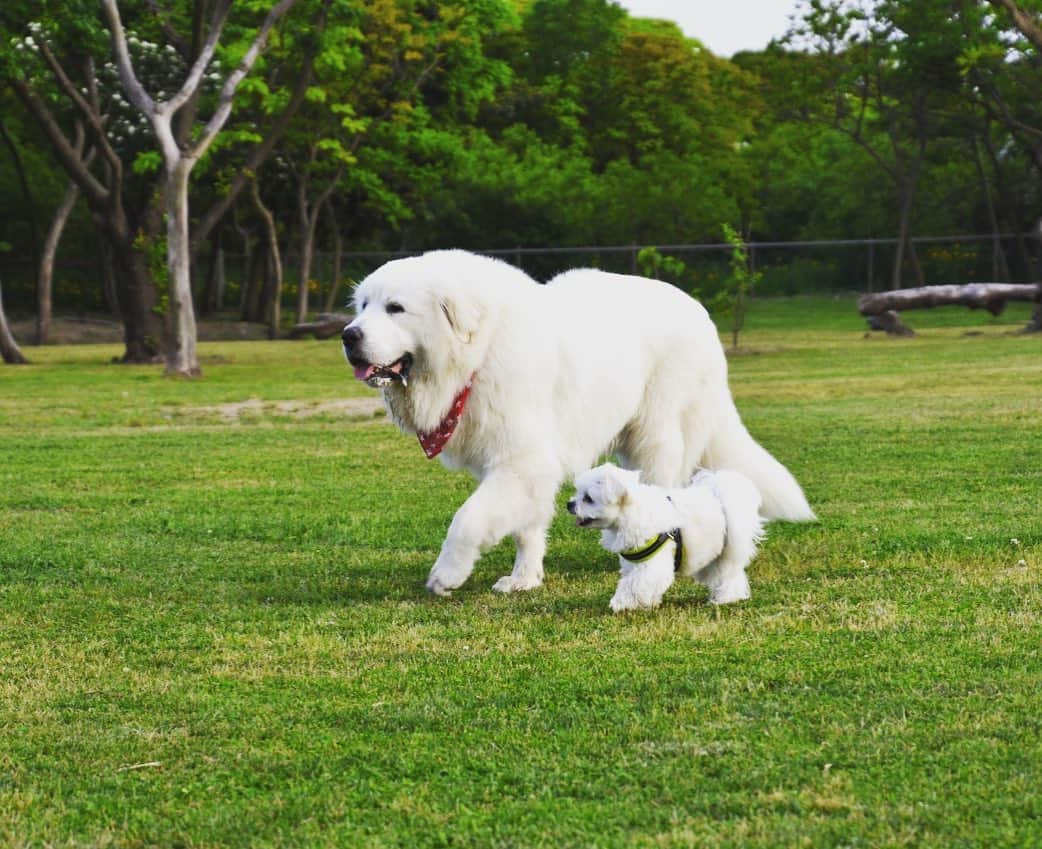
pixel 874 103
pixel 45 275
pixel 48 57
pixel 9 350
pixel 180 158
pixel 1026 21
pixel 271 241
pixel 734 297
pixel 1030 27
pixel 56 56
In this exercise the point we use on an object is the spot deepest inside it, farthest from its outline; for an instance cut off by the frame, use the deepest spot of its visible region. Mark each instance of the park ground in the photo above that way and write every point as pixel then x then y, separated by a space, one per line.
pixel 214 632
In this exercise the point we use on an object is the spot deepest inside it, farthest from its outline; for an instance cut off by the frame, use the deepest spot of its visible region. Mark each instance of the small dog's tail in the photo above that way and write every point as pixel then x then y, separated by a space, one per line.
pixel 742 505
pixel 731 447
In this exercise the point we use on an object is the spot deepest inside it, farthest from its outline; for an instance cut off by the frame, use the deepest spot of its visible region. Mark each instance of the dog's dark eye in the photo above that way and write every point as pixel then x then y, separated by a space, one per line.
pixel 394 307
pixel 587 499
pixel 364 305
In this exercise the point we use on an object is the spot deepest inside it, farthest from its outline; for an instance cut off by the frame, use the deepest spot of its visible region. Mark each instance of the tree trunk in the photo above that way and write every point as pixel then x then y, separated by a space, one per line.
pixel 137 299
pixel 180 348
pixel 338 261
pixel 210 301
pixel 307 221
pixel 45 277
pixel 999 266
pixel 220 273
pixel 917 268
pixel 904 243
pixel 307 247
pixel 9 349
pixel 253 287
pixel 246 266
pixel 309 217
pixel 275 311
pixel 107 272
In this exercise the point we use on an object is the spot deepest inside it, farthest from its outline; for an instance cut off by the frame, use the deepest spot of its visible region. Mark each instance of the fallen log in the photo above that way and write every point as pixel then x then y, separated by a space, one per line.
pixel 882 308
pixel 1035 325
pixel 324 326
pixel 889 322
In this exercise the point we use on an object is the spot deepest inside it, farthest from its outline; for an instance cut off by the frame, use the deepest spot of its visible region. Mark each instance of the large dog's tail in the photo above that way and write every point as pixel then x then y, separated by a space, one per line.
pixel 731 447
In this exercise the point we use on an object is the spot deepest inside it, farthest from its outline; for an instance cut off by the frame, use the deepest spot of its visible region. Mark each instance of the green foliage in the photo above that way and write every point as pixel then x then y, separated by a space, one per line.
pixel 154 250
pixel 147 162
pixel 213 628
pixel 497 123
pixel 733 298
pixel 661 266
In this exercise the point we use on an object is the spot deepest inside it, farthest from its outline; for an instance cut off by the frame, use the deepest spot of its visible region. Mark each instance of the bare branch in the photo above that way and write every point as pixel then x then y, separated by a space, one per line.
pixel 227 95
pixel 131 84
pixel 63 149
pixel 89 110
pixel 172 35
pixel 1027 23
pixel 262 150
pixel 257 157
pixel 195 74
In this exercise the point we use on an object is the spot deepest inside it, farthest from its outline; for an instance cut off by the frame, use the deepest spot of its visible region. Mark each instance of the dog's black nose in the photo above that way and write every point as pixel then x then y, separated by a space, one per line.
pixel 571 506
pixel 351 336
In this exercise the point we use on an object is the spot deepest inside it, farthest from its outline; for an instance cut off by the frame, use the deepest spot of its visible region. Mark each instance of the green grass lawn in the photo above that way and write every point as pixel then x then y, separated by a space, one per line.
pixel 214 632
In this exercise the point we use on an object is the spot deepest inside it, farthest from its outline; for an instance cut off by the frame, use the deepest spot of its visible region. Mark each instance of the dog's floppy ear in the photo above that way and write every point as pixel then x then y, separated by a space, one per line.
pixel 463 315
pixel 618 483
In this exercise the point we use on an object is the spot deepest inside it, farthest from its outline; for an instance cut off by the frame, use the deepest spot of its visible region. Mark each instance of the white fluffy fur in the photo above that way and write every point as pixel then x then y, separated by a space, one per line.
pixel 563 372
pixel 718 515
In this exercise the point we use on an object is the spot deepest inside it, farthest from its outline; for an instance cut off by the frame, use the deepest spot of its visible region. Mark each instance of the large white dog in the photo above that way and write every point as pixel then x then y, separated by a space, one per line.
pixel 527 385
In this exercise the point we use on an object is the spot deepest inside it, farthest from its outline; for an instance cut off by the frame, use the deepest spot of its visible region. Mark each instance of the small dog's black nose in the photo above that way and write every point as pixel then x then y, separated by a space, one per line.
pixel 571 506
pixel 351 336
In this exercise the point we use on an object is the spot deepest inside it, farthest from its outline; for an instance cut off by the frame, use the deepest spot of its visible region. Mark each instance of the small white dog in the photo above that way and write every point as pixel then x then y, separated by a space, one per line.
pixel 707 531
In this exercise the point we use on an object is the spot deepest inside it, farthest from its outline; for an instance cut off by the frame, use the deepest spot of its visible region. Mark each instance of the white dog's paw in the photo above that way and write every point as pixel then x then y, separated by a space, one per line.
pixel 444 579
pixel 514 584
pixel 734 590
pixel 621 605
pixel 436 587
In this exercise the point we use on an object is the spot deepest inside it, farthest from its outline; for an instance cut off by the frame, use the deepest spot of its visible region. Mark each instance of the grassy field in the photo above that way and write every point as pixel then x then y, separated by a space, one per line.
pixel 213 628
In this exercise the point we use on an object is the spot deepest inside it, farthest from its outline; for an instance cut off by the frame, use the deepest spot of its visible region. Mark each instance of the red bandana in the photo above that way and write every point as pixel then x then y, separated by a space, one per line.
pixel 433 441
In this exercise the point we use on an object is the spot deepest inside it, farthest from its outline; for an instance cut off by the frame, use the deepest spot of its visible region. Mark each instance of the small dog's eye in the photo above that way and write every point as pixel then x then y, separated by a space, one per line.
pixel 394 307
pixel 364 305
pixel 587 499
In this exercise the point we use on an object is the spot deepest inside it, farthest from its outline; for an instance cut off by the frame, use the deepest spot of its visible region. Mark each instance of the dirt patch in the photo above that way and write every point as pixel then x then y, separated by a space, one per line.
pixel 254 408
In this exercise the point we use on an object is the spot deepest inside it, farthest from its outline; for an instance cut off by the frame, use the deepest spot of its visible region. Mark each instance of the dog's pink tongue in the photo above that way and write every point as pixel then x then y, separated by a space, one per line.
pixel 363 372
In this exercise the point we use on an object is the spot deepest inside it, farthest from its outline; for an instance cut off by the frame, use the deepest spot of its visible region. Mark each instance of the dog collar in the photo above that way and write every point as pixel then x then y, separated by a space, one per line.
pixel 650 548
pixel 433 441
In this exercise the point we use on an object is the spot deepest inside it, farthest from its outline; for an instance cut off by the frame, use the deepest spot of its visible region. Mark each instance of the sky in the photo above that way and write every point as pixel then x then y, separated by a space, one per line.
pixel 724 26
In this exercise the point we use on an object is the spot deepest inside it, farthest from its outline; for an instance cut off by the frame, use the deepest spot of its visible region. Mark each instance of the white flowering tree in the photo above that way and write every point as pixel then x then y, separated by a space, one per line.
pixel 58 60
pixel 178 160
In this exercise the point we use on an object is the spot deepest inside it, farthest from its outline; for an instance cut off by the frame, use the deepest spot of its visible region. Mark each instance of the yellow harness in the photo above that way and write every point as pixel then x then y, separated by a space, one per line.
pixel 650 548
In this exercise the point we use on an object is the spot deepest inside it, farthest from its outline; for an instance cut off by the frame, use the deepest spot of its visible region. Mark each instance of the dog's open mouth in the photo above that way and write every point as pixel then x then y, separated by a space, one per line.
pixel 583 521
pixel 379 376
